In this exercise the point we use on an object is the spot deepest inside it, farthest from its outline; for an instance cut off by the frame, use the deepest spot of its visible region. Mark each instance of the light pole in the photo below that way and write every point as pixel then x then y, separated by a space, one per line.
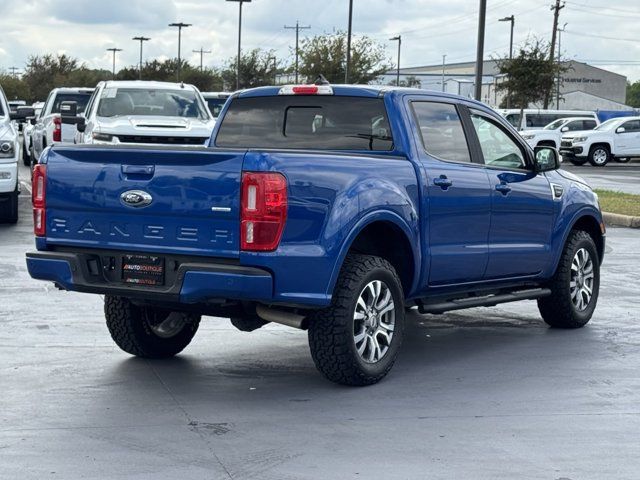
pixel 275 69
pixel 240 2
pixel 348 64
pixel 114 51
pixel 202 51
pixel 560 30
pixel 480 49
pixel 180 26
pixel 444 57
pixel 399 40
pixel 141 40
pixel 512 20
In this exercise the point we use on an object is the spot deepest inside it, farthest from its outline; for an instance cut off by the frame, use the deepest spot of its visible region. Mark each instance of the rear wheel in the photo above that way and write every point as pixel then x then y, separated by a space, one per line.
pixel 9 208
pixel 599 155
pixel 356 340
pixel 575 285
pixel 148 332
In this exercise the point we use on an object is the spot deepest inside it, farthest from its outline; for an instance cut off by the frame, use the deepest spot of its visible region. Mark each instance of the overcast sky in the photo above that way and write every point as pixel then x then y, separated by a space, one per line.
pixel 430 28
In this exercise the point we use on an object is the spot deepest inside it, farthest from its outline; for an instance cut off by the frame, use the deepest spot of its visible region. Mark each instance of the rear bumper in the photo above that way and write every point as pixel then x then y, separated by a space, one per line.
pixel 192 283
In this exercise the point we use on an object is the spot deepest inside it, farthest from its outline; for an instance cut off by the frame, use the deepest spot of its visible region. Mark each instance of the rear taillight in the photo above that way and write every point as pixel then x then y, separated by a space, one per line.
pixel 57 129
pixel 39 199
pixel 263 210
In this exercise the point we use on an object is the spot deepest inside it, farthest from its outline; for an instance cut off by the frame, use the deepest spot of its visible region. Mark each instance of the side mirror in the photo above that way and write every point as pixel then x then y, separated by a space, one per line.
pixel 620 130
pixel 546 159
pixel 22 113
pixel 33 121
pixel 81 125
pixel 69 109
pixel 564 129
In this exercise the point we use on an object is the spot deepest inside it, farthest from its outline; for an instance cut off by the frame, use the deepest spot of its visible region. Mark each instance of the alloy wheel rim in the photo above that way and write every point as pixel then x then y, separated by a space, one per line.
pixel 166 326
pixel 582 280
pixel 374 320
pixel 600 156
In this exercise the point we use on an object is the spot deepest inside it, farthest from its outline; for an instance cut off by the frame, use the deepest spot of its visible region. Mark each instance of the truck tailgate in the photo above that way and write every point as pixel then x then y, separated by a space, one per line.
pixel 97 198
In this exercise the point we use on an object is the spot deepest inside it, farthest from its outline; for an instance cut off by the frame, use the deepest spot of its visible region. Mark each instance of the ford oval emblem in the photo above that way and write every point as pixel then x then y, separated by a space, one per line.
pixel 136 198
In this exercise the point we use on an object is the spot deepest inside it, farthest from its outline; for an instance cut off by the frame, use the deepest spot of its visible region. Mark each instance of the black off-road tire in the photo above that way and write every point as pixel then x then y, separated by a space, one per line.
pixel 595 153
pixel 130 329
pixel 331 330
pixel 622 159
pixel 9 208
pixel 558 310
pixel 26 159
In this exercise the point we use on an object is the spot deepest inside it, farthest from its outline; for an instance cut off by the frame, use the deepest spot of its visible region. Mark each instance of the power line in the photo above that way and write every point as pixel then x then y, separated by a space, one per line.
pixel 581 34
pixel 297 28
pixel 603 7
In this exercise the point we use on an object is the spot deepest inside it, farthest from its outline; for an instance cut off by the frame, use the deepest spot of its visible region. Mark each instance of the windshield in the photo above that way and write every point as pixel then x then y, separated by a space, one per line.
pixel 185 103
pixel 608 125
pixel 215 105
pixel 555 125
pixel 80 98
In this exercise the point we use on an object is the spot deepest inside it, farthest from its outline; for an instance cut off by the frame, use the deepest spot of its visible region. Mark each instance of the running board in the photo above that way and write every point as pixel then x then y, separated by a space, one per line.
pixel 484 301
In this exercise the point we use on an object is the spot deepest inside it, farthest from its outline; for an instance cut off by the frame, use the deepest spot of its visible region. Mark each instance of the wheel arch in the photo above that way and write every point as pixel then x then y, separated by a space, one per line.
pixel 590 221
pixel 373 235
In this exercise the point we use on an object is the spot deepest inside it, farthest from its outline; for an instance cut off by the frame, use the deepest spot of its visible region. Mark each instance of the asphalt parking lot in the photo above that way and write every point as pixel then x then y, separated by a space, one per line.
pixel 620 177
pixel 481 394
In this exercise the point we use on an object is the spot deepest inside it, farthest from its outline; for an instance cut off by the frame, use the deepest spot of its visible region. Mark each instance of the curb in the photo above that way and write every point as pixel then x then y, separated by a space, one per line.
pixel 617 220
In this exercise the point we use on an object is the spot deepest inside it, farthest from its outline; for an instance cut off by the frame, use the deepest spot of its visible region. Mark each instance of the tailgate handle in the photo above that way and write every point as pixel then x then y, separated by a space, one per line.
pixel 138 169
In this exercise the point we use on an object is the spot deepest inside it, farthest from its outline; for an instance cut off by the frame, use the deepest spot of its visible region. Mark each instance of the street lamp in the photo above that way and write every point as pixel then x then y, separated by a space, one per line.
pixel 511 19
pixel 348 65
pixel 141 40
pixel 240 2
pixel 180 26
pixel 114 51
pixel 399 39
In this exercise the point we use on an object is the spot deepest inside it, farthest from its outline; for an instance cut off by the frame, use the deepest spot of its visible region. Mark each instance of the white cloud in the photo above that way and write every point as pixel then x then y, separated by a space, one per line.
pixel 430 28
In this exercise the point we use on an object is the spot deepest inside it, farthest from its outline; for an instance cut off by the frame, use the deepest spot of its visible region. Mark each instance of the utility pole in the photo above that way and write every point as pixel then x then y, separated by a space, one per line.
pixel 14 71
pixel 202 51
pixel 275 68
pixel 297 28
pixel 348 64
pixel 560 30
pixel 399 40
pixel 141 40
pixel 511 19
pixel 114 51
pixel 480 49
pixel 556 14
pixel 240 2
pixel 444 57
pixel 180 26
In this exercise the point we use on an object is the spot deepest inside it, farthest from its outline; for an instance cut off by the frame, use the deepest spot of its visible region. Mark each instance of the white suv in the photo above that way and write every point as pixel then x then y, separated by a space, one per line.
pixel 142 112
pixel 551 135
pixel 616 139
pixel 9 148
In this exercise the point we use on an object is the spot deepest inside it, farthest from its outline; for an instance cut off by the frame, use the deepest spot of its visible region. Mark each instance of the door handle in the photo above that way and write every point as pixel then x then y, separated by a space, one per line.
pixel 503 188
pixel 443 182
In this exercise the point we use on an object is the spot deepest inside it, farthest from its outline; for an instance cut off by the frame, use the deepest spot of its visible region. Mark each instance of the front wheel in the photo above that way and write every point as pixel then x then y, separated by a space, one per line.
pixel 599 156
pixel 148 332
pixel 575 285
pixel 26 159
pixel 356 340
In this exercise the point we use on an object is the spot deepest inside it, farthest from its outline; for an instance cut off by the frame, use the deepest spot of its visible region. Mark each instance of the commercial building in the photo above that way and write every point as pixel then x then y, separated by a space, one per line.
pixel 583 86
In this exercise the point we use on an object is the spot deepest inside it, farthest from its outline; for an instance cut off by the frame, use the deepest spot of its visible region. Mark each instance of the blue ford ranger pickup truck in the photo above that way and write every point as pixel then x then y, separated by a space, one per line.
pixel 326 208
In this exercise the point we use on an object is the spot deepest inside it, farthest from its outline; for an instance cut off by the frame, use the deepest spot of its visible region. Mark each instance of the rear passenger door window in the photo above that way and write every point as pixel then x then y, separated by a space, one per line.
pixel 498 148
pixel 589 124
pixel 441 131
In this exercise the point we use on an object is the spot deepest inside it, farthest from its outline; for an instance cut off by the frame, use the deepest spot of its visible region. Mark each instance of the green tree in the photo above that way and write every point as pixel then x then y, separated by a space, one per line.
pixel 327 54
pixel 530 76
pixel 43 73
pixel 257 68
pixel 411 81
pixel 633 94
pixel 14 88
pixel 205 80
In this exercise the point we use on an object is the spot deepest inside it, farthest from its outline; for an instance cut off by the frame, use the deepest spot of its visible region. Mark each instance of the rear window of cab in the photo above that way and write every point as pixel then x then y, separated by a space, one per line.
pixel 317 122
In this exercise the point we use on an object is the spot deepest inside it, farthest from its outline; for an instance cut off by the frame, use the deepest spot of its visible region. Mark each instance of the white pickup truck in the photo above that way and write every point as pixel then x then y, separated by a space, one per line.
pixel 145 112
pixel 616 139
pixel 551 135
pixel 9 148
pixel 48 126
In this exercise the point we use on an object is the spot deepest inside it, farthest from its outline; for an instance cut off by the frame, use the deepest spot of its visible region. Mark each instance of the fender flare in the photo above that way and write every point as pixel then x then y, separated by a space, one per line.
pixel 587 211
pixel 361 224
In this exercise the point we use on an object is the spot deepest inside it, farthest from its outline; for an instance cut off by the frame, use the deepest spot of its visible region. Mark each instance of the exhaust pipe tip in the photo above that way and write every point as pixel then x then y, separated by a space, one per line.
pixel 282 317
